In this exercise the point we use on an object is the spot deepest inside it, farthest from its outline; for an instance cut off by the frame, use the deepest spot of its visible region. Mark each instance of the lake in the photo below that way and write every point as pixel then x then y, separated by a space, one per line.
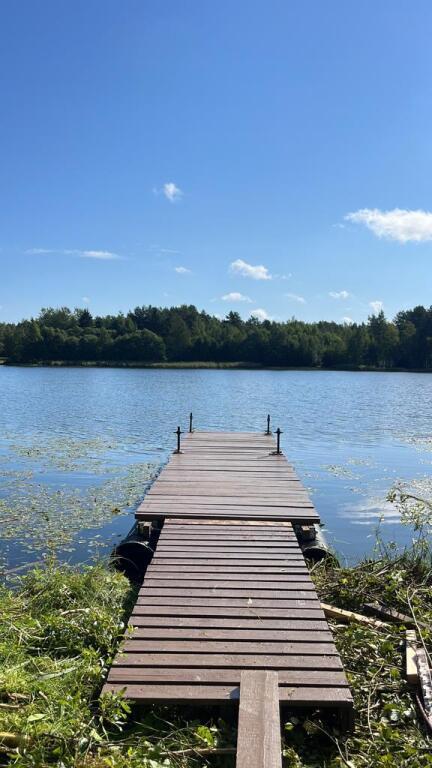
pixel 78 447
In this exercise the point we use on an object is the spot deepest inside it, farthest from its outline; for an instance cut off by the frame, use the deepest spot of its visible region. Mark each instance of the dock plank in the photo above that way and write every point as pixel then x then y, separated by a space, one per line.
pixel 259 729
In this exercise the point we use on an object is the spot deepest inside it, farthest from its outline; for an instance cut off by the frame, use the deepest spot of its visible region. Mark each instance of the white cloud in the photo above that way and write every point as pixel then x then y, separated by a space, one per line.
pixel 376 306
pixel 397 224
pixel 35 251
pixel 182 270
pixel 295 297
pixel 172 192
pixel 258 272
pixel 339 294
pixel 260 314
pixel 347 320
pixel 85 300
pixel 235 296
pixel 103 255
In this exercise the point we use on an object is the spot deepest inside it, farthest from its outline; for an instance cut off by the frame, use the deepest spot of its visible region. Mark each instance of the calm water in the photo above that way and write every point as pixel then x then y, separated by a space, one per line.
pixel 78 442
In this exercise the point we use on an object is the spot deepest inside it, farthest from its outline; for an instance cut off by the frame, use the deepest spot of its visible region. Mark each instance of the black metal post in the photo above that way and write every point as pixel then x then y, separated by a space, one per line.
pixel 268 425
pixel 278 451
pixel 190 422
pixel 178 432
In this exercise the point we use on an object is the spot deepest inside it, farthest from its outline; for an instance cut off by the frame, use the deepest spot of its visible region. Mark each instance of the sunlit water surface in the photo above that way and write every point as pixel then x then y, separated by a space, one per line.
pixel 78 447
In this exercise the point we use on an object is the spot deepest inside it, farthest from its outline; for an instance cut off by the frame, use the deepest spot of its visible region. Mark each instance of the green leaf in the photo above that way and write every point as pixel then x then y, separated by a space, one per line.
pixel 204 733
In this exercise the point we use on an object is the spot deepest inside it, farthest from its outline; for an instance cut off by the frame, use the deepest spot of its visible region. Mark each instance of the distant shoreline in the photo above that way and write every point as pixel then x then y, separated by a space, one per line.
pixel 203 365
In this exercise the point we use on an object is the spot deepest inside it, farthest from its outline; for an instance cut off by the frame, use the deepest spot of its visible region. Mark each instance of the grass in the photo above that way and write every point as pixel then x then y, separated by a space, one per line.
pixel 59 629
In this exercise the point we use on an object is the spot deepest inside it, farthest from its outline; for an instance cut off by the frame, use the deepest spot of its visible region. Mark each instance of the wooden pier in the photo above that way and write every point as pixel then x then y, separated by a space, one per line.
pixel 227 610
pixel 228 475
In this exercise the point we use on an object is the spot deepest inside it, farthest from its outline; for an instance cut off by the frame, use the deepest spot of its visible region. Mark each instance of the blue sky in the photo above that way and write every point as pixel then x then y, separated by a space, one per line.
pixel 276 154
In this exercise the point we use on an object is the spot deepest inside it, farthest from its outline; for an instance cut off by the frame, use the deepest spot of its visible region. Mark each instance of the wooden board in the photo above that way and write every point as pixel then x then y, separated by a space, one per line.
pixel 259 737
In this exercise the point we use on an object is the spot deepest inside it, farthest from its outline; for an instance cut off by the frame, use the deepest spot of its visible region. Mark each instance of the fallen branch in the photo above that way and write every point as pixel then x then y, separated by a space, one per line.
pixel 347 616
pixel 390 614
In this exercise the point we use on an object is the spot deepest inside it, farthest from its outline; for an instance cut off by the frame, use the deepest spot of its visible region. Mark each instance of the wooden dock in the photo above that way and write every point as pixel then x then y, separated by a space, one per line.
pixel 227 610
pixel 228 475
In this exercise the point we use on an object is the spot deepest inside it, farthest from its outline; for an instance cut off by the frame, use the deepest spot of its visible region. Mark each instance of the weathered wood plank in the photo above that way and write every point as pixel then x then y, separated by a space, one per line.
pixel 304 677
pixel 295 594
pixel 230 622
pixel 267 635
pixel 257 647
pixel 251 610
pixel 268 581
pixel 259 738
pixel 220 601
pixel 246 661
pixel 253 525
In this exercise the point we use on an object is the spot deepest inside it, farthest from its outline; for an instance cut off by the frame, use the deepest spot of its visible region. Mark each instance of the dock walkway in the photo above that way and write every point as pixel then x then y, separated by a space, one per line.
pixel 227 609
pixel 228 475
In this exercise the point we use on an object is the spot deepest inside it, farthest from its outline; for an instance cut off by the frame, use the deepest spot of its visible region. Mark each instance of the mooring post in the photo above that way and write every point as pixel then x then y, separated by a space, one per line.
pixel 278 451
pixel 190 422
pixel 268 425
pixel 178 432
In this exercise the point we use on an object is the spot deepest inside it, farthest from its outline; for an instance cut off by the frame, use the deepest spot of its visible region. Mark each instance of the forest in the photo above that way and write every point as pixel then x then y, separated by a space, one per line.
pixel 150 334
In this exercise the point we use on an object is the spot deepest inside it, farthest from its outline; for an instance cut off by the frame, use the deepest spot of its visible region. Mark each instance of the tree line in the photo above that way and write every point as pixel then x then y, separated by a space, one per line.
pixel 183 334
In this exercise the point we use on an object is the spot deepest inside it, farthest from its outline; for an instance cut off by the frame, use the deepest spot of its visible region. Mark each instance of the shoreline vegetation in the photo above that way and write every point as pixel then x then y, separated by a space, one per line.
pixel 204 365
pixel 183 336
pixel 60 627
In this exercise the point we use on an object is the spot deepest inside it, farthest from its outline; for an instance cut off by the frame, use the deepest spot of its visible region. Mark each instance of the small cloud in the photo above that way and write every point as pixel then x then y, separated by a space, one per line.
pixel 397 224
pixel 347 320
pixel 157 250
pixel 235 296
pixel 85 300
pixel 295 297
pixel 103 255
pixel 376 306
pixel 182 270
pixel 339 294
pixel 172 192
pixel 258 272
pixel 36 251
pixel 260 314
